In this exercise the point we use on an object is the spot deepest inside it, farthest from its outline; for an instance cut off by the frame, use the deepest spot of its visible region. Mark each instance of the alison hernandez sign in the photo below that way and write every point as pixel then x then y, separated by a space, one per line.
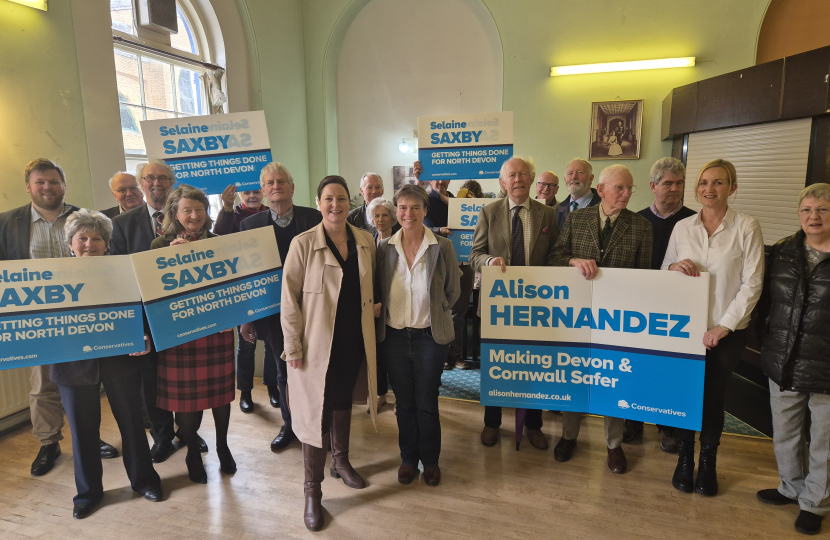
pixel 626 344
pixel 464 146
pixel 59 310
pixel 462 219
pixel 200 288
pixel 210 152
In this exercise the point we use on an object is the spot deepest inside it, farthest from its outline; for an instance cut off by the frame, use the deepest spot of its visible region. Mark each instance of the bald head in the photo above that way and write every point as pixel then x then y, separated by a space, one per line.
pixel 126 191
pixel 547 185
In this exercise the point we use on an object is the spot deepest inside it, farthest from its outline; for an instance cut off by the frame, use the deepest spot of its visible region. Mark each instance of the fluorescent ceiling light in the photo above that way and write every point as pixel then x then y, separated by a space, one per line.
pixel 37 4
pixel 664 63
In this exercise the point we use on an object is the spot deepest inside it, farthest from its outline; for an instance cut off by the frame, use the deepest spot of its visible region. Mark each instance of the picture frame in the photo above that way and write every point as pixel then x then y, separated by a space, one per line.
pixel 404 174
pixel 616 129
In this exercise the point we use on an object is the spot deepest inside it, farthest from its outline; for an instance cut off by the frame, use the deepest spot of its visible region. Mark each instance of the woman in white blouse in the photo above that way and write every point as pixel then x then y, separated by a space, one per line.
pixel 730 247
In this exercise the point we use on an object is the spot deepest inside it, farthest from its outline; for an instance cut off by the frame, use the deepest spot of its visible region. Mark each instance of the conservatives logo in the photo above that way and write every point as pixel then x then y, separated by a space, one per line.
pixel 623 404
pixel 87 348
pixel 250 312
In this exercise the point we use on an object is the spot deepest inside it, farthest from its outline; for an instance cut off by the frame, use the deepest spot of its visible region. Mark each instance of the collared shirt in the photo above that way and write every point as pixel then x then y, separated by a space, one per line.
pixel 409 293
pixel 734 258
pixel 284 220
pixel 603 216
pixel 153 222
pixel 654 211
pixel 585 200
pixel 46 238
pixel 524 215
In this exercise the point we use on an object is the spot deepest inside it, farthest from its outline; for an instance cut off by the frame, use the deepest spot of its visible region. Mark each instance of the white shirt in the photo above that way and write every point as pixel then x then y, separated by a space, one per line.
pixel 734 258
pixel 409 294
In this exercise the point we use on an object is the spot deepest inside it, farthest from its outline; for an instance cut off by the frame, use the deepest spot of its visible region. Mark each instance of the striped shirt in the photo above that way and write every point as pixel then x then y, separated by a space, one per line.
pixel 46 239
pixel 524 215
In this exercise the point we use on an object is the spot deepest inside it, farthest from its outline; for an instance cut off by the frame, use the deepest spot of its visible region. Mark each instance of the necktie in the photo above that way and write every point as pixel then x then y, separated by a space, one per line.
pixel 517 240
pixel 159 217
pixel 573 206
pixel 605 236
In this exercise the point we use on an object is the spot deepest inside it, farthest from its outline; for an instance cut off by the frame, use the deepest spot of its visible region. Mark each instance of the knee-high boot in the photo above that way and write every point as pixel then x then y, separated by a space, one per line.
pixel 707 474
pixel 314 462
pixel 341 423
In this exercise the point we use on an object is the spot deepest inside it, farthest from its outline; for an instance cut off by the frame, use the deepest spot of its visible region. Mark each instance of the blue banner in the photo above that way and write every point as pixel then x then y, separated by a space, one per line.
pixel 462 241
pixel 213 173
pixel 463 163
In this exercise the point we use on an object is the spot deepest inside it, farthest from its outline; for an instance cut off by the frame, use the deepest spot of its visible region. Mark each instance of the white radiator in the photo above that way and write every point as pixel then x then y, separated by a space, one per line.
pixel 14 396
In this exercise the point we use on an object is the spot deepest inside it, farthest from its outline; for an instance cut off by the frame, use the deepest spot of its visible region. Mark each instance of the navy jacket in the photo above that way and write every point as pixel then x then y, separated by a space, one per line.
pixel 132 232
pixel 564 208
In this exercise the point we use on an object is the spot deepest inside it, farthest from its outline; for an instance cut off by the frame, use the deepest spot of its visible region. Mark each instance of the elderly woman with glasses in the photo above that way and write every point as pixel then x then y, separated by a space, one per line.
pixel 199 374
pixel 88 234
pixel 793 317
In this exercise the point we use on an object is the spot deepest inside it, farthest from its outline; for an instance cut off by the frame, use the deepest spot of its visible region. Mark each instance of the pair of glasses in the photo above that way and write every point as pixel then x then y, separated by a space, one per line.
pixel 620 189
pixel 807 212
pixel 151 178
pixel 545 185
pixel 124 190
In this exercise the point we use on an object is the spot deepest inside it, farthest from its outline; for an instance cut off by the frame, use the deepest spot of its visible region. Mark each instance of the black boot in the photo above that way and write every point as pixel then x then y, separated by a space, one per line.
pixel 314 462
pixel 684 472
pixel 707 475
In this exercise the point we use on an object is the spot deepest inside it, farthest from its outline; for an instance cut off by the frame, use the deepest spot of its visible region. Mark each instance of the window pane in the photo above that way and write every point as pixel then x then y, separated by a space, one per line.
pixel 121 12
pixel 159 115
pixel 131 116
pixel 185 40
pixel 126 73
pixel 189 91
pixel 158 84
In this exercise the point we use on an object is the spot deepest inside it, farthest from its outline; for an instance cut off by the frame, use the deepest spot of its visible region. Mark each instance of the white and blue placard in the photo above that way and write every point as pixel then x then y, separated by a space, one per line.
pixel 464 146
pixel 60 310
pixel 626 344
pixel 200 288
pixel 461 220
pixel 211 152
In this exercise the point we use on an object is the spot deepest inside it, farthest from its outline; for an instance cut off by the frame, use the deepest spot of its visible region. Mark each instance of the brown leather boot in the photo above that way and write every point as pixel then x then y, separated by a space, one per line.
pixel 341 424
pixel 314 462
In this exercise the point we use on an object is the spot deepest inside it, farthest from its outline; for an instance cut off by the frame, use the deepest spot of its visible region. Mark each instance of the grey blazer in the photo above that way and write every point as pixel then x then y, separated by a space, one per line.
pixel 444 286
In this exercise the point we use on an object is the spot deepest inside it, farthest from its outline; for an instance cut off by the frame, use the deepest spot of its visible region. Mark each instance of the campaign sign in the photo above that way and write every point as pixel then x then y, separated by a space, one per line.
pixel 211 152
pixel 200 288
pixel 624 344
pixel 462 219
pixel 60 310
pixel 464 146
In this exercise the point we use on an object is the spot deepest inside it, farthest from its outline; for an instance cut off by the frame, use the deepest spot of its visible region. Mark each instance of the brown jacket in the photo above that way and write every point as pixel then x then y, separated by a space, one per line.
pixel 310 289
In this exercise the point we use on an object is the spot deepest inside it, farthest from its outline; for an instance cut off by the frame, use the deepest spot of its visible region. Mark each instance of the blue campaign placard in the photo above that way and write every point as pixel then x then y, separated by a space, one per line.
pixel 462 241
pixel 472 163
pixel 213 173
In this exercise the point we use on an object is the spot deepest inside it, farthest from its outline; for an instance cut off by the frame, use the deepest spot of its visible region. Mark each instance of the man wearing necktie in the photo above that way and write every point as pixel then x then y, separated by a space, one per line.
pixel 516 231
pixel 611 236
pixel 578 178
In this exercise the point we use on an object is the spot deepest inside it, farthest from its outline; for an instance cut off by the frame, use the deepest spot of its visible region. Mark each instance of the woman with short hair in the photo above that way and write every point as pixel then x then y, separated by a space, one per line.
pixel 380 214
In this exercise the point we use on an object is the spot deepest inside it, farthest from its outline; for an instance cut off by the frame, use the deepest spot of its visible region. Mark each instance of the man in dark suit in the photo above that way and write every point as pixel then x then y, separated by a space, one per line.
pixel 287 220
pixel 371 187
pixel 127 193
pixel 35 231
pixel 516 231
pixel 611 236
pixel 578 178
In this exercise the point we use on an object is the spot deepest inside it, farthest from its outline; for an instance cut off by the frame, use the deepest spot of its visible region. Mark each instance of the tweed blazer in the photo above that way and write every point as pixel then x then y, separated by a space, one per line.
pixel 630 245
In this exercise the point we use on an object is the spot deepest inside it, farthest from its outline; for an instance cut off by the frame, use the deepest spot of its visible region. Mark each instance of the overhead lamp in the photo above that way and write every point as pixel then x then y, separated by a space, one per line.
pixel 609 67
pixel 37 4
pixel 408 146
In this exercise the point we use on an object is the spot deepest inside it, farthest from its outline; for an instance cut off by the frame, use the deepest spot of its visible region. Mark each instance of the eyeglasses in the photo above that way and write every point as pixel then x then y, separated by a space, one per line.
pixel 151 178
pixel 619 189
pixel 124 190
pixel 807 212
pixel 545 185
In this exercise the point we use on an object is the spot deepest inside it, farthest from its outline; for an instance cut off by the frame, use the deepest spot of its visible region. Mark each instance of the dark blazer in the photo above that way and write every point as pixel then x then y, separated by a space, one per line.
pixel 132 232
pixel 15 228
pixel 564 207
pixel 306 218
pixel 357 217
pixel 112 212
pixel 629 246
pixel 93 371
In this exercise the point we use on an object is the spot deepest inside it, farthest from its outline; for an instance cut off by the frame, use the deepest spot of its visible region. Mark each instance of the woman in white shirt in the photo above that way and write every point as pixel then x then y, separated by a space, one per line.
pixel 418 281
pixel 730 247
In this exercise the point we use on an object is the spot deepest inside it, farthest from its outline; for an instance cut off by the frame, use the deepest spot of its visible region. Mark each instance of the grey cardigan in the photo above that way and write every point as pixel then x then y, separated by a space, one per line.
pixel 444 286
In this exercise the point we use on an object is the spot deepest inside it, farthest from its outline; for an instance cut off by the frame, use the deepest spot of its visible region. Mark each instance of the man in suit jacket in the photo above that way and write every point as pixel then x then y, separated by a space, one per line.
pixel 371 187
pixel 516 231
pixel 127 193
pixel 287 221
pixel 611 236
pixel 578 178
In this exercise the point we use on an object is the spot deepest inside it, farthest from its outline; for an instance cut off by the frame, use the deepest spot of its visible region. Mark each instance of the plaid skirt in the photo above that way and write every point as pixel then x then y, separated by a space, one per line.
pixel 197 375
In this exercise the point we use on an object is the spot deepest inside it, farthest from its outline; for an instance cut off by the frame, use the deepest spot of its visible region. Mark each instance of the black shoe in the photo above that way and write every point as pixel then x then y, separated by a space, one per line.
pixel 246 404
pixel 668 441
pixel 564 449
pixel 45 459
pixel 80 511
pixel 707 474
pixel 773 496
pixel 226 462
pixel 203 447
pixel 808 523
pixel 161 451
pixel 684 473
pixel 281 441
pixel 154 494
pixel 195 468
pixel 633 429
pixel 274 396
pixel 108 451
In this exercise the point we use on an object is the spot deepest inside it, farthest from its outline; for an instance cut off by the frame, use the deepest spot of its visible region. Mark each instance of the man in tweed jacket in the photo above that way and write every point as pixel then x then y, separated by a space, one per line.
pixel 611 236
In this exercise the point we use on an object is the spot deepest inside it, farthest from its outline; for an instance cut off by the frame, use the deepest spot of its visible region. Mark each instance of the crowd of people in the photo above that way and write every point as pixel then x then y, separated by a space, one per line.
pixel 375 298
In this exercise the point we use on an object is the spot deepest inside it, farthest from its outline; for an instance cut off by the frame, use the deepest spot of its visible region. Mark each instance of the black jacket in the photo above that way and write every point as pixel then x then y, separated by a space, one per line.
pixel 794 319
pixel 564 208
pixel 132 232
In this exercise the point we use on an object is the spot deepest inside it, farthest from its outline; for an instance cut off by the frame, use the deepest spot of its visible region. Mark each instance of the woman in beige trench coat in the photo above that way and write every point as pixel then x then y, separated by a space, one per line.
pixel 328 321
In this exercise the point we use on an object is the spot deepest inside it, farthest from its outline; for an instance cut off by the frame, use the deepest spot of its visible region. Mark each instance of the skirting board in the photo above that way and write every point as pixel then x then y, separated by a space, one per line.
pixel 15 420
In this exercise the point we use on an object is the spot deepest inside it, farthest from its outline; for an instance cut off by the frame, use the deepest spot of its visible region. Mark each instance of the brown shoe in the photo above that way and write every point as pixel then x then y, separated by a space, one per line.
pixel 432 475
pixel 340 466
pixel 564 449
pixel 537 438
pixel 489 436
pixel 406 474
pixel 314 462
pixel 616 460
pixel 668 441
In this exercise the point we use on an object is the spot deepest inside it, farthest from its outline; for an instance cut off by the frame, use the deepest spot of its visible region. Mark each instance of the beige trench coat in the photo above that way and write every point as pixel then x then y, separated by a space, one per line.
pixel 310 289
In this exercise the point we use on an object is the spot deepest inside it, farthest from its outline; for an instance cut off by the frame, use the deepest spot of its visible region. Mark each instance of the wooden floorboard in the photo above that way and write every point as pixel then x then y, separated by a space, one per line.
pixel 484 493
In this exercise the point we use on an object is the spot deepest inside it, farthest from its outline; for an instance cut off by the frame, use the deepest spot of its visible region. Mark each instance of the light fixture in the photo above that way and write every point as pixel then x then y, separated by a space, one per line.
pixel 408 146
pixel 663 63
pixel 37 4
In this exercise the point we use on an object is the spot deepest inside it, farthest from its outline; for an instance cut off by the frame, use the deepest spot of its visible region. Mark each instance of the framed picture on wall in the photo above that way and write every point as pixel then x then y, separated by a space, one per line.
pixel 402 175
pixel 616 129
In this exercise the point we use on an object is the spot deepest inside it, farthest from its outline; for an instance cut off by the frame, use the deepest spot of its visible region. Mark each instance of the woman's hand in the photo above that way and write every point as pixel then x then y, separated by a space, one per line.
pixel 377 310
pixel 295 364
pixel 178 241
pixel 685 266
pixel 713 336
pixel 146 347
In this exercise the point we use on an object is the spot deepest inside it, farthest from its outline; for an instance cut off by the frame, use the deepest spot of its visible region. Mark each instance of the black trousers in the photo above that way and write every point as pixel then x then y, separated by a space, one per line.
pixel 163 427
pixel 246 364
pixel 492 418
pixel 269 330
pixel 459 313
pixel 82 405
pixel 720 363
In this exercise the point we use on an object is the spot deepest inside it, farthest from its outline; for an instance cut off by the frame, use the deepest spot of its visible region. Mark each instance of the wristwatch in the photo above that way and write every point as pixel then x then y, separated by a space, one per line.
pixel 728 330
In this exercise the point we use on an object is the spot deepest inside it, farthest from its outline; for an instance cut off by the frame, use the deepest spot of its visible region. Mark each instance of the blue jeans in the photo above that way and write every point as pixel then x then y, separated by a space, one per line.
pixel 415 363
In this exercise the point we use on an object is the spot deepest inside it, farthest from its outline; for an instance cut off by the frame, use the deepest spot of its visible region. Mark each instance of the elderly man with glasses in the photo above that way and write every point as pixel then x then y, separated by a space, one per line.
pixel 127 193
pixel 547 185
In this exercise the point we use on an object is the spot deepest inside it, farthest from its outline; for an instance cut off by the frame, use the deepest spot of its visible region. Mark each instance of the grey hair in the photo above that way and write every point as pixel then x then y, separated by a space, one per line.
pixel 369 174
pixel 88 220
pixel 611 170
pixel 665 165
pixel 139 169
pixel 584 162
pixel 114 175
pixel 275 168
pixel 380 201
pixel 527 160
pixel 171 226
pixel 815 191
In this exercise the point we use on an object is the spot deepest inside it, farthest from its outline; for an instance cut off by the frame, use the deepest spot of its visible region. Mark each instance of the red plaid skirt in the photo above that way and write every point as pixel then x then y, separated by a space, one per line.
pixel 197 375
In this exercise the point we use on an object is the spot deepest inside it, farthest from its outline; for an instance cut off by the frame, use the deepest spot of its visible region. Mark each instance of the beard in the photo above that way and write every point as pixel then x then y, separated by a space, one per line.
pixel 51 203
pixel 576 189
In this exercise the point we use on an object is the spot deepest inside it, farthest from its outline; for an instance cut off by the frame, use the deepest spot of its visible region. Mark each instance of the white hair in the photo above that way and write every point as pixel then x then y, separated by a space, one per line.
pixel 116 174
pixel 527 160
pixel 611 170
pixel 380 201
pixel 584 162
pixel 362 178
pixel 139 169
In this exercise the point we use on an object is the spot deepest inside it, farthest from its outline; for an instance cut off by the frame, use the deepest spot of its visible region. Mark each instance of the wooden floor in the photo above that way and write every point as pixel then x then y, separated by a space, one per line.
pixel 485 492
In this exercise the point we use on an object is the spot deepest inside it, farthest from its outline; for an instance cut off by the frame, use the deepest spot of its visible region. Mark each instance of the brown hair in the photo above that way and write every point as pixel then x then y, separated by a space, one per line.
pixel 411 190
pixel 332 179
pixel 43 164
pixel 171 225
